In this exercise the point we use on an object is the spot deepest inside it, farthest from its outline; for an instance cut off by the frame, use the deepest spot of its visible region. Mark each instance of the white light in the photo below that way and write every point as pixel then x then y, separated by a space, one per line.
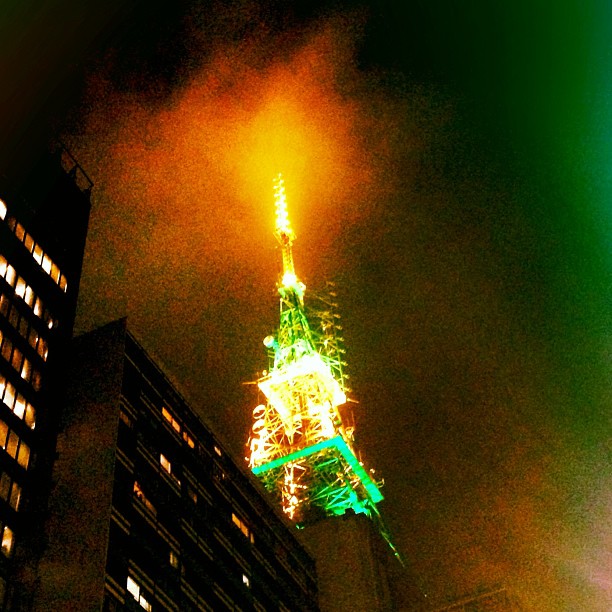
pixel 289 279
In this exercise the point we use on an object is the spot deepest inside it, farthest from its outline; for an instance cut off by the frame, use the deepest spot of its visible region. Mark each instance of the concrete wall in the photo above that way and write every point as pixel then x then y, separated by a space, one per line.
pixel 71 573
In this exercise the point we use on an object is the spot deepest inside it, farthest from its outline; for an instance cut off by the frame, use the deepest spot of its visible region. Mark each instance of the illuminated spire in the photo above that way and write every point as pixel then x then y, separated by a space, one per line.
pixel 284 232
pixel 300 447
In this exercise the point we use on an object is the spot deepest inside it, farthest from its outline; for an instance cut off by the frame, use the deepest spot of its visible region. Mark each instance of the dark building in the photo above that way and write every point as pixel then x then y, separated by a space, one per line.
pixel 356 567
pixel 43 226
pixel 148 511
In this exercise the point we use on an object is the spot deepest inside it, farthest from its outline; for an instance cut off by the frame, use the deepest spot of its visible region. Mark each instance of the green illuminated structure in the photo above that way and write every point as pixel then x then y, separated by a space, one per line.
pixel 300 448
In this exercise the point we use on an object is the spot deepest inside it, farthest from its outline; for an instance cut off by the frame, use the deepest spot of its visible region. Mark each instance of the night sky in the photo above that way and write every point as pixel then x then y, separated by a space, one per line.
pixel 447 165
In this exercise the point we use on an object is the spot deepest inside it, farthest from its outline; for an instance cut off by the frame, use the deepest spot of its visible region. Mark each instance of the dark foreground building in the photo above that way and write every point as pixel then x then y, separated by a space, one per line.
pixel 43 226
pixel 148 512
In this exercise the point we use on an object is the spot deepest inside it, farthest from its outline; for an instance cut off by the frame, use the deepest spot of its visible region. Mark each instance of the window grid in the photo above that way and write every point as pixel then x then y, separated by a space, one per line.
pixel 23 290
pixel 10 491
pixel 14 445
pixel 17 403
pixel 25 329
pixel 41 258
pixel 20 363
pixel 174 423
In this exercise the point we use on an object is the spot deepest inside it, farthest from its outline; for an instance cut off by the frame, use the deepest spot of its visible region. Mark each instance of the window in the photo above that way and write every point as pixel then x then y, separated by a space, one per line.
pixel 19 231
pixel 8 540
pixel 38 254
pixel 139 494
pixel 46 264
pixel 14 446
pixel 243 527
pixel 2 209
pixel 23 290
pixel 40 257
pixel 20 287
pixel 174 559
pixel 10 491
pixel 125 419
pixel 217 450
pixel 173 422
pixel 192 494
pixel 134 588
pixel 246 581
pixel 165 463
pixel 190 441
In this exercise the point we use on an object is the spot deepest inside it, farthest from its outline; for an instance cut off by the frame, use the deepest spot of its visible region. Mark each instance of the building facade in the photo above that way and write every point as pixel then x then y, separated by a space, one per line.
pixel 43 226
pixel 148 511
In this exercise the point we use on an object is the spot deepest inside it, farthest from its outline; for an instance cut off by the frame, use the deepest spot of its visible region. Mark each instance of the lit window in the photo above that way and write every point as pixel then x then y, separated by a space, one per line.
pixel 17 359
pixel 245 580
pixel 3 433
pixel 29 296
pixel 29 242
pixel 8 541
pixel 38 307
pixel 133 588
pixel 63 283
pixel 38 254
pixel 173 422
pixel 3 266
pixel 23 458
pixel 30 416
pixel 20 406
pixel 125 418
pixel 7 347
pixel 9 395
pixel 174 559
pixel 190 441
pixel 46 263
pixel 19 231
pixel 15 496
pixel 20 288
pixel 10 275
pixel 2 210
pixel 217 450
pixel 43 349
pixel 26 370
pixel 55 272
pixel 165 463
pixel 139 494
pixel 12 444
pixel 243 527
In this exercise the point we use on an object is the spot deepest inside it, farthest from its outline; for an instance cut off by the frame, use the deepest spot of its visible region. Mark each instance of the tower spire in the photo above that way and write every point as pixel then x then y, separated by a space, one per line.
pixel 284 232
pixel 300 447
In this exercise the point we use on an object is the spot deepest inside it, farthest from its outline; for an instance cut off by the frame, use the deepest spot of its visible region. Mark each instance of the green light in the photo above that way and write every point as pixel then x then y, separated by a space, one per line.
pixel 304 452
pixel 339 444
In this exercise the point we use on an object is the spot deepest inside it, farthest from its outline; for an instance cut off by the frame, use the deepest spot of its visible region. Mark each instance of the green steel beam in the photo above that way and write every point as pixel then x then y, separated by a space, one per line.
pixel 338 443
